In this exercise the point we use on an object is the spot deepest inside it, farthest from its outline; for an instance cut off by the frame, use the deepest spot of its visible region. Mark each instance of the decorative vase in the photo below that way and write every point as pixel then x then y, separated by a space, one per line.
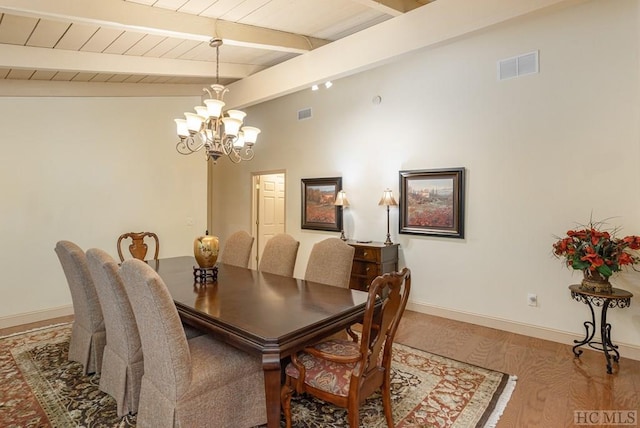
pixel 205 249
pixel 595 282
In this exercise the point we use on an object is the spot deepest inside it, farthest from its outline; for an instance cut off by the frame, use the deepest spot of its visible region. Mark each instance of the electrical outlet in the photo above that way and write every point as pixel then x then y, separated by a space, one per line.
pixel 189 221
pixel 532 299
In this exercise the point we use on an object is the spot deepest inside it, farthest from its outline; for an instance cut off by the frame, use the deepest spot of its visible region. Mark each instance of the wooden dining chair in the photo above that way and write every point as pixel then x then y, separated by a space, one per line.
pixel 237 249
pixel 88 335
pixel 279 255
pixel 188 383
pixel 346 372
pixel 330 263
pixel 138 248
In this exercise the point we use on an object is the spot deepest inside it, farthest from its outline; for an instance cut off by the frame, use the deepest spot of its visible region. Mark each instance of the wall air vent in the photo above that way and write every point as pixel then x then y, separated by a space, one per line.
pixel 305 113
pixel 518 66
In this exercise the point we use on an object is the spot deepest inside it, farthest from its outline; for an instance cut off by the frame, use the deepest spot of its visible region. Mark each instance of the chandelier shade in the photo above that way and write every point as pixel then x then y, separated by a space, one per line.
pixel 218 132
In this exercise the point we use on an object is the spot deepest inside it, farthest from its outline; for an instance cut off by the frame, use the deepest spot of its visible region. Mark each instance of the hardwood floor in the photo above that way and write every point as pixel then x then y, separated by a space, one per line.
pixel 551 385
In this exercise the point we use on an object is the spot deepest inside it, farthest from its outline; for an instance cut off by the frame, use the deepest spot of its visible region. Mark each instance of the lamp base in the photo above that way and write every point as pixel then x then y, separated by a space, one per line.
pixel 344 238
pixel 388 241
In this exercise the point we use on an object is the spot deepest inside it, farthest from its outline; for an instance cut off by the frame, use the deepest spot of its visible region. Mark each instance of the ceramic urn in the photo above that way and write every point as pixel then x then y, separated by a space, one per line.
pixel 205 249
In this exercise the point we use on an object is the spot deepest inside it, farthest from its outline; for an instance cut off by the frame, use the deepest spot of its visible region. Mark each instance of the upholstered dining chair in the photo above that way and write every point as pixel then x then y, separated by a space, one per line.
pixel 237 249
pixel 346 372
pixel 279 255
pixel 330 263
pixel 138 248
pixel 88 335
pixel 188 383
pixel 123 364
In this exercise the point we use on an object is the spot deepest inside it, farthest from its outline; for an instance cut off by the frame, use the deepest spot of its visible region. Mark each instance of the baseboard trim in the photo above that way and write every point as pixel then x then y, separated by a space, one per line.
pixel 626 350
pixel 35 316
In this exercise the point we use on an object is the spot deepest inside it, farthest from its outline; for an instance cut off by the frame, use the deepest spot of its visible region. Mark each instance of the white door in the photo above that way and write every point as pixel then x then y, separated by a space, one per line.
pixel 268 212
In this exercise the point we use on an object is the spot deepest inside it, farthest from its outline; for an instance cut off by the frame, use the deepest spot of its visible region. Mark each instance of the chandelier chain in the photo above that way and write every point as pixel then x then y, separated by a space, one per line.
pixel 217 64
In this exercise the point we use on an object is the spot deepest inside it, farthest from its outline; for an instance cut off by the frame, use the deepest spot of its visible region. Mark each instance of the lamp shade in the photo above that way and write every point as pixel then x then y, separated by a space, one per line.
pixel 202 111
pixel 181 125
pixel 237 114
pixel 341 199
pixel 250 134
pixel 231 126
pixel 388 199
pixel 194 121
pixel 214 107
pixel 239 142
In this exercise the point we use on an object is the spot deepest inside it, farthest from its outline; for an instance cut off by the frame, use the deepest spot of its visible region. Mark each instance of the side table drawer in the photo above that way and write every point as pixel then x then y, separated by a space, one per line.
pixel 367 269
pixel 366 253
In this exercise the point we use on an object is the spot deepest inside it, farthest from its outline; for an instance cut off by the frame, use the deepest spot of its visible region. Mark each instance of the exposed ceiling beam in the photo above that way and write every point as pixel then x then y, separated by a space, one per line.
pixel 436 23
pixel 42 88
pixel 26 57
pixel 153 20
pixel 392 7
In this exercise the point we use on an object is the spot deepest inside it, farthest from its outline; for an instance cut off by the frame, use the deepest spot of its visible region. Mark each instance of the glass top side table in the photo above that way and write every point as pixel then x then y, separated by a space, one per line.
pixel 617 298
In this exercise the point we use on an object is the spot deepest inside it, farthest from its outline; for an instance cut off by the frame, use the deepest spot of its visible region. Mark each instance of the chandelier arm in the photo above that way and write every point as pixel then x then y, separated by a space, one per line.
pixel 246 153
pixel 188 145
pixel 227 145
pixel 235 157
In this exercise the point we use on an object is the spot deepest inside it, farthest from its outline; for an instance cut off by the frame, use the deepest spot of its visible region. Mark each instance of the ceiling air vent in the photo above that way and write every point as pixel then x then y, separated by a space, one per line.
pixel 305 113
pixel 518 66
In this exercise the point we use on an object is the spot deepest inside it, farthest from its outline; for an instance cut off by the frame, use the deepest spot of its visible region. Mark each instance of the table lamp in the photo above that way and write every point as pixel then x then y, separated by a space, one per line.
pixel 342 201
pixel 387 200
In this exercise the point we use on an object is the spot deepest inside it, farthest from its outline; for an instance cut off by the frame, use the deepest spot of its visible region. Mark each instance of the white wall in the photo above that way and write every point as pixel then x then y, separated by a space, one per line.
pixel 88 170
pixel 542 152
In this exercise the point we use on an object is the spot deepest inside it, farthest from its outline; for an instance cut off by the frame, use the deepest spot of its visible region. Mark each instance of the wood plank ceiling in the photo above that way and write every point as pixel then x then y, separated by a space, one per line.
pixel 167 41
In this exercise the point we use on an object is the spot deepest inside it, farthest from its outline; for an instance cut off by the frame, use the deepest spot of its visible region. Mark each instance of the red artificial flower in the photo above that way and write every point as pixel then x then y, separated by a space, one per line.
pixel 593 258
pixel 633 242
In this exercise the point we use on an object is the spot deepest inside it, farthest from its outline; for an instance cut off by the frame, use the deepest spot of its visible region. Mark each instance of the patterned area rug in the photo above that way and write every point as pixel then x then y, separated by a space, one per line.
pixel 40 388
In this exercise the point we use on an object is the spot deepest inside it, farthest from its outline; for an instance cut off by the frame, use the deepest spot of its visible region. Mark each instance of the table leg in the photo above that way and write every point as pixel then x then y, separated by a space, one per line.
pixel 590 328
pixel 605 333
pixel 271 367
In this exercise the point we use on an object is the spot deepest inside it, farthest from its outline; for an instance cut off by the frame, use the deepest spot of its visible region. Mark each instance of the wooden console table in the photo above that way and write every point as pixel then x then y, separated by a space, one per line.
pixel 370 260
pixel 617 298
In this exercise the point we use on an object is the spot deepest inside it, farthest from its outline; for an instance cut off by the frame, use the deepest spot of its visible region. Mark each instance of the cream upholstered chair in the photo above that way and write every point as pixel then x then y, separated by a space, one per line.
pixel 188 383
pixel 122 365
pixel 346 372
pixel 237 249
pixel 330 263
pixel 88 335
pixel 279 255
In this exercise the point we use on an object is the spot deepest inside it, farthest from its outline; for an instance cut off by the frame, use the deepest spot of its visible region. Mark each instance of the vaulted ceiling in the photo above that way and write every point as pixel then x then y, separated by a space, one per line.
pixel 167 41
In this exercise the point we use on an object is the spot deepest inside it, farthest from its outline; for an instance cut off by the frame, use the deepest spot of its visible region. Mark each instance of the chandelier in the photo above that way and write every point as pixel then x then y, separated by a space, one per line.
pixel 220 133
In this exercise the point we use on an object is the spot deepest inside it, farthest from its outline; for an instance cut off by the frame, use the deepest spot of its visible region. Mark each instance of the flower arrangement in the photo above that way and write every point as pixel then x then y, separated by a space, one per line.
pixel 597 252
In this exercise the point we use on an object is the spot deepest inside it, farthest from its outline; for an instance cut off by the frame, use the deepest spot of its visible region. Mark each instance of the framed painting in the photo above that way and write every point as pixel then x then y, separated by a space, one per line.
pixel 318 209
pixel 432 202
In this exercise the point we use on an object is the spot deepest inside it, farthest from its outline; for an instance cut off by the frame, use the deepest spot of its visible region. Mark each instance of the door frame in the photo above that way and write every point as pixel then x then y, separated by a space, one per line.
pixel 255 209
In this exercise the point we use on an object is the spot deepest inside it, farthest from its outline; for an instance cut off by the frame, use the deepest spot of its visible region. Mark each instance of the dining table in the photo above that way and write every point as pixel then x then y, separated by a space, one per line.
pixel 261 313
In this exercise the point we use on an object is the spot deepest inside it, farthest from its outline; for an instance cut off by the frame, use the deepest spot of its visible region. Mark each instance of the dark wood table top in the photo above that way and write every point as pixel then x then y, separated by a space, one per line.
pixel 260 311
